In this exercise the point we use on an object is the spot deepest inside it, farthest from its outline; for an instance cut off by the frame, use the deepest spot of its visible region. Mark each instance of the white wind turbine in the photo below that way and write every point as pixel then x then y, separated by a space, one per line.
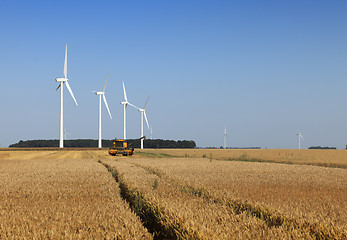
pixel 125 104
pixel 103 96
pixel 143 112
pixel 225 137
pixel 300 137
pixel 61 86
pixel 65 134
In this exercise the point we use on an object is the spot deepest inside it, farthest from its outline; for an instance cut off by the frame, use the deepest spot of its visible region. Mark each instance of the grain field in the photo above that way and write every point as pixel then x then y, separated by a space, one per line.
pixel 173 194
pixel 62 195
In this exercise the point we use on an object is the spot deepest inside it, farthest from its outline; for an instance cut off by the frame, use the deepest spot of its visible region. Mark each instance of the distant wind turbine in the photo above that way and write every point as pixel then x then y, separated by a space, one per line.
pixel 225 137
pixel 143 113
pixel 300 137
pixel 151 133
pixel 65 134
pixel 125 104
pixel 61 86
pixel 109 113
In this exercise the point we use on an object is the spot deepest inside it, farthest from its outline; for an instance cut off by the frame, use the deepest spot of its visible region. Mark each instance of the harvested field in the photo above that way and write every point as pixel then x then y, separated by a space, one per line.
pixel 89 194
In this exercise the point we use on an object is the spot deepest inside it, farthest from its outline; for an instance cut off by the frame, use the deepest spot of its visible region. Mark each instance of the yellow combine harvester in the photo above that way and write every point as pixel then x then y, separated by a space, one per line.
pixel 120 146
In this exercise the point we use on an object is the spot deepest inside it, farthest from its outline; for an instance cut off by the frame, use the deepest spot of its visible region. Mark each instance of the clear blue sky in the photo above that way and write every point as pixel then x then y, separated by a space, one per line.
pixel 266 69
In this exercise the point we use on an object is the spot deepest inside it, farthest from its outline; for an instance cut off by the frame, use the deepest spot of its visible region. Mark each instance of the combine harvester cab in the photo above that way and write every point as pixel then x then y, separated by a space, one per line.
pixel 121 146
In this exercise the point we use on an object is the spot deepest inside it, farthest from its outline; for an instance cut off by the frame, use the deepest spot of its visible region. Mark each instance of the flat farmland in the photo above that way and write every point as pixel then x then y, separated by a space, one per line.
pixel 326 158
pixel 62 195
pixel 173 194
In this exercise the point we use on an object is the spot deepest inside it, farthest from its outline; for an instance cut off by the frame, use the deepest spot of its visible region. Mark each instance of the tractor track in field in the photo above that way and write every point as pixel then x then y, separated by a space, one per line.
pixel 238 207
pixel 151 215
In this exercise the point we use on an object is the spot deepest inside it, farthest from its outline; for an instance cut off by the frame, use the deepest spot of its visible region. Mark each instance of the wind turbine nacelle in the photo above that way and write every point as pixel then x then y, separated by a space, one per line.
pixel 61 79
pixel 99 93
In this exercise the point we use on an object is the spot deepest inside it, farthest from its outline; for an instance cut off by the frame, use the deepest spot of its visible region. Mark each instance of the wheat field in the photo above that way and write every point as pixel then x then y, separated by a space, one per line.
pixel 173 194
pixel 317 157
pixel 62 195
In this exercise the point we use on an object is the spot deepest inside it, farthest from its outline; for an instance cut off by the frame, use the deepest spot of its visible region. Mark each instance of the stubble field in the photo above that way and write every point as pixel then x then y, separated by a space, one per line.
pixel 174 194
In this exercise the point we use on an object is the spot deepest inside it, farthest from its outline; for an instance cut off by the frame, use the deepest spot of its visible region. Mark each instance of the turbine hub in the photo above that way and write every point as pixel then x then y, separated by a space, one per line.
pixel 61 79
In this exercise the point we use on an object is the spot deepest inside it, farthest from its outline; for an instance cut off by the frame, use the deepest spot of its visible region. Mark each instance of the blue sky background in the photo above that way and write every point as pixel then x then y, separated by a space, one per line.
pixel 266 69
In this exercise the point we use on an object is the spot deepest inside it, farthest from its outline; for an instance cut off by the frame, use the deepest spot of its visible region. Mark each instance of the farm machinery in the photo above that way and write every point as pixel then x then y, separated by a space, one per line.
pixel 121 146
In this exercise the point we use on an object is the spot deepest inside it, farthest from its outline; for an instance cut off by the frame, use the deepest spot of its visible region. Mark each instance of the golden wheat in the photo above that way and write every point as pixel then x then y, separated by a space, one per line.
pixel 328 158
pixel 70 194
pixel 62 195
pixel 303 194
pixel 194 215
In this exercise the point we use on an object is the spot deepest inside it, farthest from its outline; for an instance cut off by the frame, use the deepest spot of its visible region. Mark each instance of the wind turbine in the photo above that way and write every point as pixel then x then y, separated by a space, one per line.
pixel 143 112
pixel 103 96
pixel 125 104
pixel 300 137
pixel 65 134
pixel 61 86
pixel 225 137
pixel 151 133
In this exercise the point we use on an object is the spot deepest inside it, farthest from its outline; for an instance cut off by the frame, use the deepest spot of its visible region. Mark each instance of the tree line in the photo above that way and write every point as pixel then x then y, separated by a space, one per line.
pixel 92 143
pixel 319 147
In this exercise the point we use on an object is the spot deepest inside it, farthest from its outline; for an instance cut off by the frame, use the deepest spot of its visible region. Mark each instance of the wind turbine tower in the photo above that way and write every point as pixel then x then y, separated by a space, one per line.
pixel 143 113
pixel 125 105
pixel 300 137
pixel 61 86
pixel 109 113
pixel 225 137
pixel 151 133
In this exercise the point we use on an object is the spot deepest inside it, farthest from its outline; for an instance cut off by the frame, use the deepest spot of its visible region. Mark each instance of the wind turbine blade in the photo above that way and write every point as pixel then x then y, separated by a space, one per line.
pixel 146 103
pixel 68 87
pixel 65 63
pixel 106 82
pixel 125 94
pixel 133 106
pixel 58 87
pixel 301 137
pixel 103 96
pixel 144 113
